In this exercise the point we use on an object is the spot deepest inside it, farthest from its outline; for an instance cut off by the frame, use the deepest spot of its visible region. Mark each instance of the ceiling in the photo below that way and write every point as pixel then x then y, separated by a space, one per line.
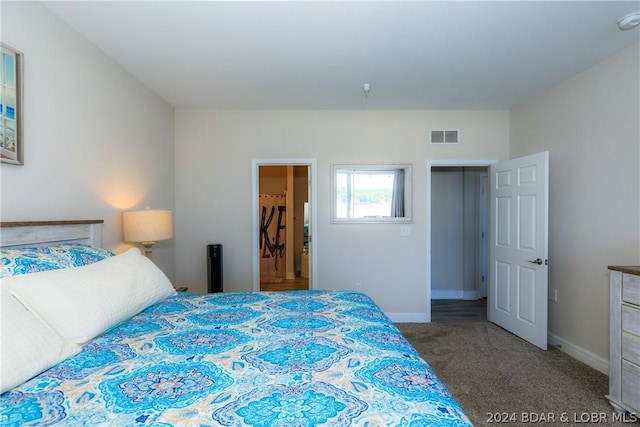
pixel 317 54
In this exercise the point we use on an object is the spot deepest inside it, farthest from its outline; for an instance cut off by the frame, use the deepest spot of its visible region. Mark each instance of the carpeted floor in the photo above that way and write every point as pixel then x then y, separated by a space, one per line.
pixel 491 371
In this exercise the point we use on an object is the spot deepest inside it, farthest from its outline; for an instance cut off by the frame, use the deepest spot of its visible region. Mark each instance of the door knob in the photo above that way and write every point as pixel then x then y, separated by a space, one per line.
pixel 536 261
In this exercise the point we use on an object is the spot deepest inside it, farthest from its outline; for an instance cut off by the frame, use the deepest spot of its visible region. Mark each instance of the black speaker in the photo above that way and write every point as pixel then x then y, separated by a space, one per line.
pixel 214 267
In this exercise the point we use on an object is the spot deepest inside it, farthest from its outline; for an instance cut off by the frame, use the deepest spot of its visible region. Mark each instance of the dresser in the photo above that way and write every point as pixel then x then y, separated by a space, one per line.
pixel 624 338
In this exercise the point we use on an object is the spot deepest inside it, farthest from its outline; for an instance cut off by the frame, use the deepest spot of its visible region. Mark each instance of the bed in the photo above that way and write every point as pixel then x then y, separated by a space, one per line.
pixel 87 342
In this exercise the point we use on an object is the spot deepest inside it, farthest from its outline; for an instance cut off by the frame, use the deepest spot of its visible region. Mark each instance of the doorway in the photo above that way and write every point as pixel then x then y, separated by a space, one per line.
pixel 457 262
pixel 283 223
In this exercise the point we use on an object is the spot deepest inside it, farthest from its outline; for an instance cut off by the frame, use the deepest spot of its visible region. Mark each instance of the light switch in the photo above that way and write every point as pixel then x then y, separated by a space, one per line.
pixel 405 230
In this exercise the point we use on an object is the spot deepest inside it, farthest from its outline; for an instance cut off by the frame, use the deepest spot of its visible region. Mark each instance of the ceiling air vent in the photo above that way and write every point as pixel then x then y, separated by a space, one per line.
pixel 444 137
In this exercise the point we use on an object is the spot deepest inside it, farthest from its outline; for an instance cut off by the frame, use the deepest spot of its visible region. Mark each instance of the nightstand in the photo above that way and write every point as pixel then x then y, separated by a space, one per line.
pixel 181 289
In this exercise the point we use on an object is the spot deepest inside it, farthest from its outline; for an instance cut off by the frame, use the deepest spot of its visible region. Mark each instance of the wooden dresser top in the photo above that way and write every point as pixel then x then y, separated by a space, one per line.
pixel 632 269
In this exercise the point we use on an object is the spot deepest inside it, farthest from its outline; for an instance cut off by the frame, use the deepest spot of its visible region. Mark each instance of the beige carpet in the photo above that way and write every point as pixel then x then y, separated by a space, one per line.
pixel 489 370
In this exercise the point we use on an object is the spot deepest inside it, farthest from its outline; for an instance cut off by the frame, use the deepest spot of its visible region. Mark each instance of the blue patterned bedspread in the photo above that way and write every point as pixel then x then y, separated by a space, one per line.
pixel 301 358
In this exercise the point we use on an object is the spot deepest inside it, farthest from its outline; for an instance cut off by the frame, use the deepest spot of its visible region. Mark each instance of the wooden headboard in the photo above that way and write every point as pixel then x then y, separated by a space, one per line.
pixel 42 233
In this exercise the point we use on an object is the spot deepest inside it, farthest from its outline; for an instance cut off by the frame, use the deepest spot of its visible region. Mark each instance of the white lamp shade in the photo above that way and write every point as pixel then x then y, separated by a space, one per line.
pixel 147 225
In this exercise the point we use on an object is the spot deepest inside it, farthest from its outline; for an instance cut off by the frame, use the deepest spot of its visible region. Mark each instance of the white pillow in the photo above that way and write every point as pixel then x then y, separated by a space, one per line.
pixel 28 346
pixel 83 302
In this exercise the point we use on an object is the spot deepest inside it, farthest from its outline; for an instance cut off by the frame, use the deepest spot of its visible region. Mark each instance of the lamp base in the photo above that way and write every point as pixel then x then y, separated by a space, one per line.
pixel 148 249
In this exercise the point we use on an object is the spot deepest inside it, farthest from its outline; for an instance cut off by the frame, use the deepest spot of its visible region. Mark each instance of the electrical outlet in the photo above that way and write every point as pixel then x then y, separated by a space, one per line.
pixel 358 286
pixel 405 231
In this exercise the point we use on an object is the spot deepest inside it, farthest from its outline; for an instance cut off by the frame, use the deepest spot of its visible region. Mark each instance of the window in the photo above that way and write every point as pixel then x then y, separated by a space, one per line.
pixel 371 193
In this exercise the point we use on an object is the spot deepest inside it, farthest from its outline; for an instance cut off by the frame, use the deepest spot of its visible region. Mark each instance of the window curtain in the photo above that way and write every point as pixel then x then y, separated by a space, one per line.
pixel 397 201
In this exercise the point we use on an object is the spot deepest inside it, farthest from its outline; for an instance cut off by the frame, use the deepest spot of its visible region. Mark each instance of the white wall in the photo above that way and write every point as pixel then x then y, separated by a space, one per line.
pixel 471 227
pixel 96 141
pixel 214 150
pixel 590 126
pixel 447 233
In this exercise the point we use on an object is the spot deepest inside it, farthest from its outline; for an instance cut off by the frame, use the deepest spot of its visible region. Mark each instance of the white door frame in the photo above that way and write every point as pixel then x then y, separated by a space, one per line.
pixel 483 227
pixel 440 163
pixel 313 197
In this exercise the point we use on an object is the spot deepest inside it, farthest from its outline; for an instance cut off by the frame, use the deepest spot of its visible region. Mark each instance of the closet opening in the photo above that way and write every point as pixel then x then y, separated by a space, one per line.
pixel 458 242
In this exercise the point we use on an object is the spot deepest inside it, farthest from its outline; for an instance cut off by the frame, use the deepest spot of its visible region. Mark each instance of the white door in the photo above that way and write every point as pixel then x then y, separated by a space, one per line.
pixel 518 232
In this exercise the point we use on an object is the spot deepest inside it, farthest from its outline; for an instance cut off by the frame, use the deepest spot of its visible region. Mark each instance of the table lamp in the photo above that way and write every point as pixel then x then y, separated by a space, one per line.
pixel 147 227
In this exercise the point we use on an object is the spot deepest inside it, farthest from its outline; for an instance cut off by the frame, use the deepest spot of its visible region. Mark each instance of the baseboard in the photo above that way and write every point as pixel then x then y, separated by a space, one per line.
pixel 579 353
pixel 470 295
pixel 449 294
pixel 407 317
pixel 445 294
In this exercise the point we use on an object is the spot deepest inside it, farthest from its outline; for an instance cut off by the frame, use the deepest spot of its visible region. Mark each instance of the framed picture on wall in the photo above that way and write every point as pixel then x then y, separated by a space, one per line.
pixel 11 144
